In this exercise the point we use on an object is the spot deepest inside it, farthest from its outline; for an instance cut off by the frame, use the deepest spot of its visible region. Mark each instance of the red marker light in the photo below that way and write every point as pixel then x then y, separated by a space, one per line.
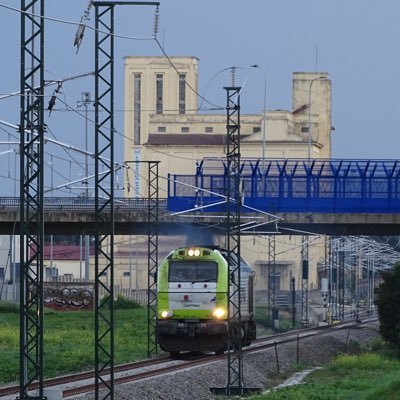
pixel 185 297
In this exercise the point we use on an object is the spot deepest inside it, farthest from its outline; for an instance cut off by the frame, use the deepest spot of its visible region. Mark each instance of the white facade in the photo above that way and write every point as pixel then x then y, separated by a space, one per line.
pixel 179 136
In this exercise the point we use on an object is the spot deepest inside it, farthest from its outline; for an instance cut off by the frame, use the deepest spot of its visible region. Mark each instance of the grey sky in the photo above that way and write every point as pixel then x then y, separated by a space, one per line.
pixel 356 41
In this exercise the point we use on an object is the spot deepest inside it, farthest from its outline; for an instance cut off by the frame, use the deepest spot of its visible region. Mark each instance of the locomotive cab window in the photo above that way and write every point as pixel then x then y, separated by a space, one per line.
pixel 193 271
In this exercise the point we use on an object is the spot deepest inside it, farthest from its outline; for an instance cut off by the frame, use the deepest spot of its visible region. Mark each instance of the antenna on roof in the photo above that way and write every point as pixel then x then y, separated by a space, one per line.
pixel 233 72
pixel 156 21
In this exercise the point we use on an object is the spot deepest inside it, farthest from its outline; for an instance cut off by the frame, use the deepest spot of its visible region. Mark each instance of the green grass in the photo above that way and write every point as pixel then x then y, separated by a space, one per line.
pixel 285 319
pixel 69 347
pixel 368 376
pixel 69 341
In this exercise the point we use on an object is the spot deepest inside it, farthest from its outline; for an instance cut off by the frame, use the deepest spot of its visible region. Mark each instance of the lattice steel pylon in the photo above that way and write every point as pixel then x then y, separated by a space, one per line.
pixel 272 310
pixel 31 197
pixel 152 233
pixel 353 280
pixel 327 297
pixel 304 281
pixel 334 279
pixel 152 250
pixel 104 200
pixel 234 384
pixel 235 357
pixel 104 194
pixel 341 278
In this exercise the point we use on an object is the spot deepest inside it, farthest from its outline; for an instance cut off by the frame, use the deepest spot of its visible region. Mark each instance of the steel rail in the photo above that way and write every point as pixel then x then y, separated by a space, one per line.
pixel 188 361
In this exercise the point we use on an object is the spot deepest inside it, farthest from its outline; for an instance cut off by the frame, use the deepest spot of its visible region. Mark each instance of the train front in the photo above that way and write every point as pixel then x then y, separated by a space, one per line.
pixel 192 285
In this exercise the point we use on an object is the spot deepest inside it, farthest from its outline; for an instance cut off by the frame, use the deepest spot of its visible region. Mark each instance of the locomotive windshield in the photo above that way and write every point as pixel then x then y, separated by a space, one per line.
pixel 193 271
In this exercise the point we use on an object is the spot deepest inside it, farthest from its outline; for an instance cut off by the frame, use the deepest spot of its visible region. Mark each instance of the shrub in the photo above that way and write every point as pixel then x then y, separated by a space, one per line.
pixel 388 300
pixel 9 307
pixel 121 303
pixel 366 361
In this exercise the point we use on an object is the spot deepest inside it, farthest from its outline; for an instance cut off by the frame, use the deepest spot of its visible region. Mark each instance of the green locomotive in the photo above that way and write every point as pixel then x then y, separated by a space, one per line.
pixel 192 290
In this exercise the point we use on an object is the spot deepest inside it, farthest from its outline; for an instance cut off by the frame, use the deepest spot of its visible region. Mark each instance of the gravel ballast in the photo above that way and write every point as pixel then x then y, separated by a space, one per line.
pixel 260 369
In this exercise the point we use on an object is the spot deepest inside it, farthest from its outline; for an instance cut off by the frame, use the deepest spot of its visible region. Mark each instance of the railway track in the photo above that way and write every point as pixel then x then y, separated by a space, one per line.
pixel 81 383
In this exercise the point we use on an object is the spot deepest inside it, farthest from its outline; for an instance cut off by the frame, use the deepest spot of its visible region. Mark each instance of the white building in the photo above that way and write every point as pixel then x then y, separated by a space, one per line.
pixel 162 123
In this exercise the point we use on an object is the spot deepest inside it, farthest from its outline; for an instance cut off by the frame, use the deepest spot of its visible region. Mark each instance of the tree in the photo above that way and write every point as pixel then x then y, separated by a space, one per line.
pixel 388 303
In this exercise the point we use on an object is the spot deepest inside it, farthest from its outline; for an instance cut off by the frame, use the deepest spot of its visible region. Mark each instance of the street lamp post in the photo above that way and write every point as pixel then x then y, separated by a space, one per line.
pixel 309 113
pixel 264 109
pixel 86 100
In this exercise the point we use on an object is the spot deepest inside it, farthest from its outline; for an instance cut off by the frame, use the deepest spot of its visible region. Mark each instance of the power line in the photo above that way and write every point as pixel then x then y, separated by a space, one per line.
pixel 62 21
pixel 123 135
pixel 186 82
pixel 48 83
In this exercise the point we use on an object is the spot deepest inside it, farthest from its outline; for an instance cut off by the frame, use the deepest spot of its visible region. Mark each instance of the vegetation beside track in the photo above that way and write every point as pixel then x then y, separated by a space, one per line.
pixel 367 376
pixel 69 347
pixel 263 318
pixel 69 339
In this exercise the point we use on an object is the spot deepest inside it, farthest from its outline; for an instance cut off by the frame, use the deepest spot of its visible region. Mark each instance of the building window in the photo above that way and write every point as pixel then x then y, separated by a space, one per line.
pixel 161 129
pixel 182 94
pixel 304 129
pixel 137 84
pixel 185 129
pixel 126 273
pixel 159 93
pixel 256 129
pixel 209 129
pixel 275 281
pixel 51 272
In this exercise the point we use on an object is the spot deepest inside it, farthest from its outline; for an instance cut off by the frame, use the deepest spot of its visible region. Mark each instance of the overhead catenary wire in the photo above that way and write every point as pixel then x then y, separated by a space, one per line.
pixel 122 134
pixel 121 36
pixel 63 21
pixel 49 83
pixel 219 107
pixel 154 37
pixel 156 150
pixel 65 147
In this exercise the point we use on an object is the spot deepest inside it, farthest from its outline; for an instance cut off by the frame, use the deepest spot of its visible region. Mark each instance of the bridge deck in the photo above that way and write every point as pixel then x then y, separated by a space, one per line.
pixel 334 197
pixel 64 216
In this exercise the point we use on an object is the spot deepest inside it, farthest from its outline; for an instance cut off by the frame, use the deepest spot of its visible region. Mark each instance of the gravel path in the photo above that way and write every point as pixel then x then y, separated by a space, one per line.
pixel 260 369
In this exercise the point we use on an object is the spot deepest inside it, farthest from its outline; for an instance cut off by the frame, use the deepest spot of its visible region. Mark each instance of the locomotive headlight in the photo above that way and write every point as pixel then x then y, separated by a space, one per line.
pixel 166 314
pixel 219 313
pixel 193 252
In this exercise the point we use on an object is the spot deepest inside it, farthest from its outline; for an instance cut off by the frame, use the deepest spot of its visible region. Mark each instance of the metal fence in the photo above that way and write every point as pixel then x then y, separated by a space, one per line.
pixel 329 186
pixel 79 203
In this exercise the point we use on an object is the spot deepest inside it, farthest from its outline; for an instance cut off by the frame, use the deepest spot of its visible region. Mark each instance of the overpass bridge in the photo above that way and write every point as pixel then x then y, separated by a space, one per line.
pixel 63 216
pixel 323 196
pixel 334 197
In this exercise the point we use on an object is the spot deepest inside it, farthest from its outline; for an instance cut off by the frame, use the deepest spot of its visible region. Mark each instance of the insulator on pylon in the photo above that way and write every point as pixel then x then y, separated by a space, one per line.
pixel 156 21
pixel 82 26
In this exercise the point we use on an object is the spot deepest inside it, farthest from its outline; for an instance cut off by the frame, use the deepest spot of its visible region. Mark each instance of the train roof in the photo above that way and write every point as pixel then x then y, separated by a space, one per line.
pixel 224 252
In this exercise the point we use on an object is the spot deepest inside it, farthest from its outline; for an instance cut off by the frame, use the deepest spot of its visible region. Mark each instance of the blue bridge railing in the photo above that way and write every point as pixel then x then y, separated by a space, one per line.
pixel 293 185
